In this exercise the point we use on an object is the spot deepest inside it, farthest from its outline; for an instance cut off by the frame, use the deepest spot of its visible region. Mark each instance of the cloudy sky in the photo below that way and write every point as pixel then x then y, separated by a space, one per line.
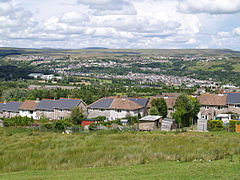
pixel 120 23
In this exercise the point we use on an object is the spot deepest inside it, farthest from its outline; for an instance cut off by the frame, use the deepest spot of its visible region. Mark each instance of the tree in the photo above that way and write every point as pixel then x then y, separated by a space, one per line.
pixel 154 111
pixel 76 116
pixel 160 106
pixel 187 109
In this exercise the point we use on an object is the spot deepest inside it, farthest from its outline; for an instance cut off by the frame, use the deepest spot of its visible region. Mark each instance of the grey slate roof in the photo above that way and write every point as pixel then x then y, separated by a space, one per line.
pixel 106 103
pixel 10 106
pixel 140 101
pixel 62 103
pixel 67 103
pixel 103 103
pixel 46 104
pixel 233 98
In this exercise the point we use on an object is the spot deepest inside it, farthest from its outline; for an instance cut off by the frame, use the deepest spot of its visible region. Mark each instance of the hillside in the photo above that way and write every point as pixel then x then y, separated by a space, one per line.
pixel 43 152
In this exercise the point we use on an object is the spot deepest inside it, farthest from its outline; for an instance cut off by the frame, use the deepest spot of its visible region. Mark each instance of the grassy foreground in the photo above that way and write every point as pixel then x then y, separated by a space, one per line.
pixel 153 154
pixel 220 169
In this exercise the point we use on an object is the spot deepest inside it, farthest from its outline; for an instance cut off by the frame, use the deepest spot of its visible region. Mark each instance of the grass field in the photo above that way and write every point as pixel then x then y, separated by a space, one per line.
pixel 106 155
pixel 220 169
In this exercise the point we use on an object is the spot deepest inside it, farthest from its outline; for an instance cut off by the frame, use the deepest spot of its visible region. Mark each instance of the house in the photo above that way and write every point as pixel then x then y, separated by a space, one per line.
pixel 149 123
pixel 233 101
pixel 9 109
pixel 58 109
pixel 212 105
pixel 117 107
pixel 28 109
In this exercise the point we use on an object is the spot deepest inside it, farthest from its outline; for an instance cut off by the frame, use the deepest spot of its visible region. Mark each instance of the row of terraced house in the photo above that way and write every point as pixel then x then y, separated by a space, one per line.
pixel 117 107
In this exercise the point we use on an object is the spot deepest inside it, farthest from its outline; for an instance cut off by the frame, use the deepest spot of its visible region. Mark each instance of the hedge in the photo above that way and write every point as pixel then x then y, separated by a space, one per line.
pixel 215 125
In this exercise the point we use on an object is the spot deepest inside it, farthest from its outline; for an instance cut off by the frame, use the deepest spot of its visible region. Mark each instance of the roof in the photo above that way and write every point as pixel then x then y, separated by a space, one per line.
pixel 233 98
pixel 213 99
pixel 170 101
pixel 119 103
pixel 29 105
pixel 46 104
pixel 12 106
pixel 169 120
pixel 150 118
pixel 62 103
pixel 69 104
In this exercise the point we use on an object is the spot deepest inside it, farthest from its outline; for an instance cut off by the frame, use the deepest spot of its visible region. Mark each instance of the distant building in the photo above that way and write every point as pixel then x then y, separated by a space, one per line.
pixel 58 109
pixel 116 107
pixel 212 105
pixel 9 109
pixel 35 75
pixel 28 109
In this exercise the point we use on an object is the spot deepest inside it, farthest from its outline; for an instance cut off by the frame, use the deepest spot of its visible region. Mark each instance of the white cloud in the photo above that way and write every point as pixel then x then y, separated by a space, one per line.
pixel 74 17
pixel 119 23
pixel 210 6
pixel 236 31
pixel 110 7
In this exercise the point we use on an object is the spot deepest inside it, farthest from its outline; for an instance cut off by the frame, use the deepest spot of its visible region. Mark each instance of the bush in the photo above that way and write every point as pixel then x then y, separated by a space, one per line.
pixel 59 125
pixel 215 125
pixel 133 119
pixel 18 121
pixel 232 125
pixel 101 118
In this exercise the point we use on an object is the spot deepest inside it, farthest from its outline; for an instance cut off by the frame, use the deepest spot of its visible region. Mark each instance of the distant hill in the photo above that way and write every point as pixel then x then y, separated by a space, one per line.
pixel 104 52
pixel 95 48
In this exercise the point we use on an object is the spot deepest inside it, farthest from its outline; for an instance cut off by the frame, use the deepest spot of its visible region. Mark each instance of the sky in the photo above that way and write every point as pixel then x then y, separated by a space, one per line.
pixel 133 24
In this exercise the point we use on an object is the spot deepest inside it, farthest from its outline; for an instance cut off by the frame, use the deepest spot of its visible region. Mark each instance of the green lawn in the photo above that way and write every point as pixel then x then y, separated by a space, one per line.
pixel 27 154
pixel 221 169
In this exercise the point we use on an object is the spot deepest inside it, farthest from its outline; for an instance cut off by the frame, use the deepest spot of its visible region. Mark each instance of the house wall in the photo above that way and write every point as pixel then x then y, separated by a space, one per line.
pixel 61 113
pixel 114 114
pixel 47 114
pixel 232 108
pixel 209 112
pixel 58 114
pixel 26 113
pixel 10 114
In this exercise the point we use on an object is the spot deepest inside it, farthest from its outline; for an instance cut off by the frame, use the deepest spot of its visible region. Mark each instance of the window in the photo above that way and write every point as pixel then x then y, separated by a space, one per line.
pixel 119 110
pixel 204 117
pixel 31 112
pixel 206 107
pixel 237 105
pixel 219 107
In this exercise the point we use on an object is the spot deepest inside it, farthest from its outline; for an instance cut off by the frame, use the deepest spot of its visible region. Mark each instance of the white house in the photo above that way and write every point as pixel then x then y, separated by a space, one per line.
pixel 115 107
pixel 28 109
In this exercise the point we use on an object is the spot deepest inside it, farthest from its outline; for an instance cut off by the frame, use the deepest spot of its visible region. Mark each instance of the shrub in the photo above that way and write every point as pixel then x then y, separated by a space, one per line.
pixel 232 125
pixel 101 118
pixel 43 119
pixel 133 119
pixel 215 125
pixel 59 125
pixel 18 121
